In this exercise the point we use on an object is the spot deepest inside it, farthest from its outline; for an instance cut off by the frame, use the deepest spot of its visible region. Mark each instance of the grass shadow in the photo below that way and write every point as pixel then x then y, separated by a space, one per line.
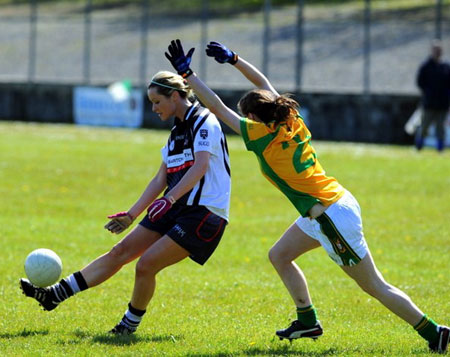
pixel 285 350
pixel 131 339
pixel 290 350
pixel 25 333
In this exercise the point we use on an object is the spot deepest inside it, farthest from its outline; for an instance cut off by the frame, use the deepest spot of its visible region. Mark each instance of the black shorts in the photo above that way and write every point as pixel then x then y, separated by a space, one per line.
pixel 195 228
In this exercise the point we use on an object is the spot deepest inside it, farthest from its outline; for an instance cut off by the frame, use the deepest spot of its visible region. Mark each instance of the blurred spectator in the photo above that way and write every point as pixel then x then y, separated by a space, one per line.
pixel 433 79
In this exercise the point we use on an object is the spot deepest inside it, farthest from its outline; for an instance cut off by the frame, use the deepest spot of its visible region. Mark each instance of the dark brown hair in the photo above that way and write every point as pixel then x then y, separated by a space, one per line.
pixel 267 106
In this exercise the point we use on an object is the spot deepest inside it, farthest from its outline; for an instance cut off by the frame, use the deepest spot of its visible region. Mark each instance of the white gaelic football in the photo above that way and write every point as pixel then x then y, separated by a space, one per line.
pixel 43 267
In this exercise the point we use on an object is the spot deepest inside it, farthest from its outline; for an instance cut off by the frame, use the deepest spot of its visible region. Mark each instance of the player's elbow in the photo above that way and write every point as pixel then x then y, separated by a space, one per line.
pixel 158 183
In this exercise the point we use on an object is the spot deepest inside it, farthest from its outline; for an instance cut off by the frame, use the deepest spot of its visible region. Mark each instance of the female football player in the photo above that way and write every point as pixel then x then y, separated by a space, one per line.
pixel 187 221
pixel 272 128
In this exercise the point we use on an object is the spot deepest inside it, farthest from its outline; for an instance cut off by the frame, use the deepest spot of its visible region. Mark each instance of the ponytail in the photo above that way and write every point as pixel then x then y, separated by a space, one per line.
pixel 268 107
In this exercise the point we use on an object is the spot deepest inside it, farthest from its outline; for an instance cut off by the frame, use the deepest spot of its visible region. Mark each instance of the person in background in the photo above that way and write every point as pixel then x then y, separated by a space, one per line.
pixel 187 221
pixel 433 79
pixel 330 216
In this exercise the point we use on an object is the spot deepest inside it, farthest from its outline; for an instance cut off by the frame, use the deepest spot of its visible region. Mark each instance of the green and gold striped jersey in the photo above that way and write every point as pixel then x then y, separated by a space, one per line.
pixel 289 162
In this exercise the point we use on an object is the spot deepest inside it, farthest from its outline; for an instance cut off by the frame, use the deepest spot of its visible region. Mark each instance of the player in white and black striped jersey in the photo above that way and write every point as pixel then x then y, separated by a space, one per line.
pixel 199 131
pixel 187 221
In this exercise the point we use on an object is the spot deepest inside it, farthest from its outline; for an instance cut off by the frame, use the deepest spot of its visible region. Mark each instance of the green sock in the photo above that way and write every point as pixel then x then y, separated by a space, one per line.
pixel 307 315
pixel 428 329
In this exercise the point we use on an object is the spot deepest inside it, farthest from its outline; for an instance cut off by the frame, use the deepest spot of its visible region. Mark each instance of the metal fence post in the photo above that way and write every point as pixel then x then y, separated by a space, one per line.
pixel 438 31
pixel 299 47
pixel 144 43
pixel 266 37
pixel 32 41
pixel 204 37
pixel 87 43
pixel 366 69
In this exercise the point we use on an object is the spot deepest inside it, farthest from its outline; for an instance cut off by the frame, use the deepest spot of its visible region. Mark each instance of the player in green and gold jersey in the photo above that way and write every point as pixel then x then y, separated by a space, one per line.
pixel 329 214
pixel 286 156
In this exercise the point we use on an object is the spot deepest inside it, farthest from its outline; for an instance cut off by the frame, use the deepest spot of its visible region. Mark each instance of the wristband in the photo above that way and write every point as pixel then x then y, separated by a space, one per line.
pixel 234 59
pixel 171 199
pixel 186 73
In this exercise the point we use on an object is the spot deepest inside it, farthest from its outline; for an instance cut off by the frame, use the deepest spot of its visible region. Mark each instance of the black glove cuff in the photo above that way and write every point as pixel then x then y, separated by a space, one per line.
pixel 234 59
pixel 186 73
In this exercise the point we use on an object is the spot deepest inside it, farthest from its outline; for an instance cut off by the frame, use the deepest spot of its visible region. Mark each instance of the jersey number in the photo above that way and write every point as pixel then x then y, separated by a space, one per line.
pixel 296 160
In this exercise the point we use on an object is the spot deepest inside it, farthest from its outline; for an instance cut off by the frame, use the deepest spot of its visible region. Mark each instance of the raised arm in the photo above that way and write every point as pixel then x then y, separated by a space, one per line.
pixel 211 100
pixel 224 55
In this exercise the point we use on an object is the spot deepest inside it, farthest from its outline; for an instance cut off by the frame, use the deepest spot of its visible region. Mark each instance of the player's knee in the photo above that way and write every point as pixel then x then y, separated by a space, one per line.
pixel 272 255
pixel 117 253
pixel 276 257
pixel 145 267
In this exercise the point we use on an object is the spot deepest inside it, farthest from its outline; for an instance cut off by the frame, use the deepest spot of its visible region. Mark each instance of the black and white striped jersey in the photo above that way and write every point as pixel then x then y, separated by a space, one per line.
pixel 200 131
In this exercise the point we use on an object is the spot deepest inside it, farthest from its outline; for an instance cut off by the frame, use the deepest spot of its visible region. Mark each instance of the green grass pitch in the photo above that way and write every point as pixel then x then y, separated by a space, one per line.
pixel 59 182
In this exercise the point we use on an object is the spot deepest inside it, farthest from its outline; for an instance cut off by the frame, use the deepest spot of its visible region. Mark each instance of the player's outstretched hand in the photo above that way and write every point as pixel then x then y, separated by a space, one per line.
pixel 119 222
pixel 178 59
pixel 221 53
pixel 159 208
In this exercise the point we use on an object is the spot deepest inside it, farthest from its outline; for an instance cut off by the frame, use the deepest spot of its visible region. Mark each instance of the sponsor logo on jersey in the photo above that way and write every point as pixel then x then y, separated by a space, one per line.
pixel 203 143
pixel 178 162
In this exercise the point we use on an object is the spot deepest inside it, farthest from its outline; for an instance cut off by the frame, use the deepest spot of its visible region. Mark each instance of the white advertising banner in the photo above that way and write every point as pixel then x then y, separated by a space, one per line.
pixel 100 106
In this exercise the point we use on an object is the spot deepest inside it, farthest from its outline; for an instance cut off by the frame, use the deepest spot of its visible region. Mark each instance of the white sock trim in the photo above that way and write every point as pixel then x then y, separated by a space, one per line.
pixel 133 317
pixel 73 284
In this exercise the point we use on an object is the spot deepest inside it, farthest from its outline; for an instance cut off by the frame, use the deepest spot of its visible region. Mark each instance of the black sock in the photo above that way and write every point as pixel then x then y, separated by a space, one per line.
pixel 132 317
pixel 80 281
pixel 62 290
pixel 69 286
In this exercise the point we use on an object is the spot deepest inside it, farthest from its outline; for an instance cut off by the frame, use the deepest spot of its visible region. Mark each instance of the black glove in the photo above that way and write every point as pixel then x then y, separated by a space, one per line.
pixel 220 53
pixel 180 61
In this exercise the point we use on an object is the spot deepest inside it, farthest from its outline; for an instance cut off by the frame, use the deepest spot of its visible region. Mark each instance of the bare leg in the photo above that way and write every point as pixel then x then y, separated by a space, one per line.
pixel 290 246
pixel 372 282
pixel 160 255
pixel 129 248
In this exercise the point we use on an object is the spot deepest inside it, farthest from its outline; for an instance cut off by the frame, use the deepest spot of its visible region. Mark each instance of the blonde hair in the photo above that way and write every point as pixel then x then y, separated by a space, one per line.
pixel 167 82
